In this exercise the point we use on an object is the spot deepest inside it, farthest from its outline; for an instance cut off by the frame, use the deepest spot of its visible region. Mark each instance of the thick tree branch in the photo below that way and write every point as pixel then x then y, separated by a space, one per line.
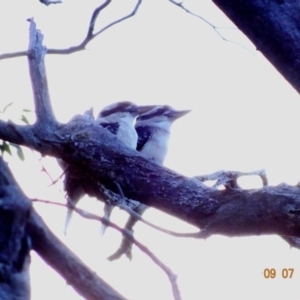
pixel 124 204
pixel 273 27
pixel 231 212
pixel 44 242
pixel 14 239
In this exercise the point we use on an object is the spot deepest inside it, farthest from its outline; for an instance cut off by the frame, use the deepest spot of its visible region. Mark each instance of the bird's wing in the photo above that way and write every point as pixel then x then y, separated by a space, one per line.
pixel 144 134
pixel 112 127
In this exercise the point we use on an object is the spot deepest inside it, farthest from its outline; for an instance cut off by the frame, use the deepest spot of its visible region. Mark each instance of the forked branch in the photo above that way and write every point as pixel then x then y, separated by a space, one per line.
pixel 89 36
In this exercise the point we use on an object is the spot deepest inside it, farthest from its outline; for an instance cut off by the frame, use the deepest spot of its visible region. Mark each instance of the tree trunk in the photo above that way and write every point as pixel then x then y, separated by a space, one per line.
pixel 14 240
pixel 273 27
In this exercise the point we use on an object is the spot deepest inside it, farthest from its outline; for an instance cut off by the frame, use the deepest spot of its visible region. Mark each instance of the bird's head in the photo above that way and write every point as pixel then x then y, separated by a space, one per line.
pixel 125 110
pixel 160 116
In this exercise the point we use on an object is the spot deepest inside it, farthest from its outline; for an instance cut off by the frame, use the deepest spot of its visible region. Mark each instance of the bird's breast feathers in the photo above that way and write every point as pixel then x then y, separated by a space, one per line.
pixel 127 135
pixel 153 142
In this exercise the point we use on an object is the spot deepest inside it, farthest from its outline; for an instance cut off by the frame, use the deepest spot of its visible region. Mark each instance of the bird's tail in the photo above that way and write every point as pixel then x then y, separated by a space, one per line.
pixel 107 213
pixel 68 219
pixel 75 192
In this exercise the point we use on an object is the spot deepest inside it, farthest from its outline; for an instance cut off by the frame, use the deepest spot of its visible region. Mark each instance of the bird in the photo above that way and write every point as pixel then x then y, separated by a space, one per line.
pixel 72 175
pixel 118 118
pixel 153 130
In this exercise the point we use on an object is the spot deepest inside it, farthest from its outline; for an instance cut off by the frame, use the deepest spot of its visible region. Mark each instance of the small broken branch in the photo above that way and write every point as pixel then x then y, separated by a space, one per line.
pixel 229 178
pixel 36 53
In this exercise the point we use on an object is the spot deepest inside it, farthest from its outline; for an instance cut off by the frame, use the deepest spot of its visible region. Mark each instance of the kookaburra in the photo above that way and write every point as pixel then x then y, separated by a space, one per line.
pixel 119 119
pixel 72 175
pixel 153 129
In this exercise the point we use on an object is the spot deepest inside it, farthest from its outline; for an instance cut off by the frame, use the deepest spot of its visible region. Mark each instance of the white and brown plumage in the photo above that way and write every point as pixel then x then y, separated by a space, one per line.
pixel 153 129
pixel 119 119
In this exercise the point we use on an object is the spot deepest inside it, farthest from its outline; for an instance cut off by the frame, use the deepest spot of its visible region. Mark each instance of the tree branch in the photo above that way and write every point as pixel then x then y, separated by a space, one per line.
pixel 273 27
pixel 134 11
pixel 104 160
pixel 128 236
pixel 214 27
pixel 120 200
pixel 90 33
pixel 46 244
pixel 229 178
pixel 14 239
pixel 172 277
pixel 36 54
pixel 234 212
pixel 67 264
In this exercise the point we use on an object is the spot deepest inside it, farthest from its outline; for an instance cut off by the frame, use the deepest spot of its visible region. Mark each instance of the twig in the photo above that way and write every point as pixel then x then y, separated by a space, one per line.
pixel 229 178
pixel 136 212
pixel 214 27
pixel 172 277
pixel 121 19
pixel 120 201
pixel 90 33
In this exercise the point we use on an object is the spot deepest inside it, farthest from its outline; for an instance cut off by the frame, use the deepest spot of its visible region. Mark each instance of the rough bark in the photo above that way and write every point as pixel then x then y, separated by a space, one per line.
pixel 101 158
pixel 273 27
pixel 14 240
pixel 232 212
pixel 21 229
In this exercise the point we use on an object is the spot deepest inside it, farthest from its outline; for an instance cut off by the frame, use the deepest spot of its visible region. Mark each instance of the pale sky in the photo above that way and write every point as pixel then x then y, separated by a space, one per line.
pixel 245 117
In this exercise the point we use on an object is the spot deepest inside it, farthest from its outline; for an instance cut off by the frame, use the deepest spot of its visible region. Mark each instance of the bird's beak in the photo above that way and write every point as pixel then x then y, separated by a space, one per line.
pixel 142 109
pixel 178 114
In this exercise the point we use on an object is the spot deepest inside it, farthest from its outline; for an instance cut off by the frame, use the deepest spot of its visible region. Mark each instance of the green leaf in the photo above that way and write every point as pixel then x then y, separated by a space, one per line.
pixel 2 148
pixel 27 110
pixel 20 152
pixel 24 119
pixel 6 107
pixel 6 148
